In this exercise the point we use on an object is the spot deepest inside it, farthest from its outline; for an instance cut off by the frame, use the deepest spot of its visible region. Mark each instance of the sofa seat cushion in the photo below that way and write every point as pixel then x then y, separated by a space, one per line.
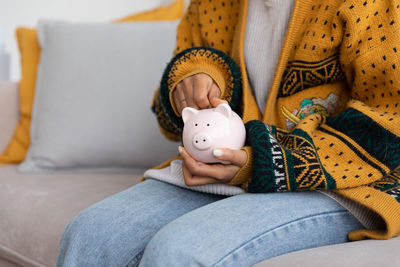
pixel 352 254
pixel 34 209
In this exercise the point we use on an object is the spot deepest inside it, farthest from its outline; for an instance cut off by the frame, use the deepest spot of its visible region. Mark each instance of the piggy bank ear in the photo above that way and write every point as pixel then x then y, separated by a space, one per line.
pixel 187 113
pixel 224 109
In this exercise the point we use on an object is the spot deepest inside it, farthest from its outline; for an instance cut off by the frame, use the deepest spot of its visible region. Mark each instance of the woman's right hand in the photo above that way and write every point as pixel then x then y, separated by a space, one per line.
pixel 198 91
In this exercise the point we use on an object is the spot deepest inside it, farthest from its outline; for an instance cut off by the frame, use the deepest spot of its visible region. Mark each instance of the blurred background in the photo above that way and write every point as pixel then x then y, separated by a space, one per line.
pixel 15 13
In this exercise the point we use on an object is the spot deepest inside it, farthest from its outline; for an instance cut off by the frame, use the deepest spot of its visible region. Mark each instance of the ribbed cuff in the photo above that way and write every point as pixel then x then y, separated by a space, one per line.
pixel 217 64
pixel 192 69
pixel 263 176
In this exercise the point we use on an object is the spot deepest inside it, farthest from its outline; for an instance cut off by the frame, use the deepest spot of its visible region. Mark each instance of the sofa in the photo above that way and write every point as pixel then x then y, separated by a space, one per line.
pixel 35 208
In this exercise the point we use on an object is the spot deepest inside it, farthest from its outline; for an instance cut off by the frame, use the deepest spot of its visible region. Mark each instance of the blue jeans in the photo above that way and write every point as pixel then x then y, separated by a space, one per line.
pixel 158 224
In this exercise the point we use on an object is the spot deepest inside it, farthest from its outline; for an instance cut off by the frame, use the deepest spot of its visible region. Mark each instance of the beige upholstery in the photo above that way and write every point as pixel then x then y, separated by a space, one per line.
pixel 367 253
pixel 34 209
pixel 8 112
pixel 5 263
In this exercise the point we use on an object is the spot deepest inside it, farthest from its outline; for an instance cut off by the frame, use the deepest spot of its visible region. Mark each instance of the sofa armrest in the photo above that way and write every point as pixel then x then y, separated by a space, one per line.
pixel 8 112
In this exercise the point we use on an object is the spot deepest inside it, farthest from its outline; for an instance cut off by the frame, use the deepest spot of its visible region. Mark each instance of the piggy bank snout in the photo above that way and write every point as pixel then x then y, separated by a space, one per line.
pixel 201 141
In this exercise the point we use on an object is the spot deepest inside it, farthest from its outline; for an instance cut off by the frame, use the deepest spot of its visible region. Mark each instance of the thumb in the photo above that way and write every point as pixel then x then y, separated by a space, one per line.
pixel 236 157
pixel 215 101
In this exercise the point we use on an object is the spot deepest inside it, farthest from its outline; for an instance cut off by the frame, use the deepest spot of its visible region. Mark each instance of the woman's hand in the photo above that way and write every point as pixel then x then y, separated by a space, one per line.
pixel 195 91
pixel 201 174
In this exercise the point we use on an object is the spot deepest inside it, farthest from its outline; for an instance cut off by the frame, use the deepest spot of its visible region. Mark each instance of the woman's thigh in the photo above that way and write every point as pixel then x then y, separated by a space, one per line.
pixel 246 229
pixel 114 231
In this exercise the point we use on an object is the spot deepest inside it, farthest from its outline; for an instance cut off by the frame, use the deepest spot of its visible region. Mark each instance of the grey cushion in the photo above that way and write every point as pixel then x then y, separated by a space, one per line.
pixel 35 208
pixel 94 90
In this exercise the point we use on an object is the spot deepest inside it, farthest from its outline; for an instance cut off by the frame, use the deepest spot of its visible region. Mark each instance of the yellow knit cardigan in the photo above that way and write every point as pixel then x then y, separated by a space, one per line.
pixel 333 108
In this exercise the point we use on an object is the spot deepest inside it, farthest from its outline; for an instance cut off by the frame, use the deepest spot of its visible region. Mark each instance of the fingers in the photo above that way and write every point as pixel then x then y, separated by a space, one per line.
pixel 191 180
pixel 207 173
pixel 179 98
pixel 216 101
pixel 204 170
pixel 215 92
pixel 198 91
pixel 236 157
pixel 188 93
pixel 202 86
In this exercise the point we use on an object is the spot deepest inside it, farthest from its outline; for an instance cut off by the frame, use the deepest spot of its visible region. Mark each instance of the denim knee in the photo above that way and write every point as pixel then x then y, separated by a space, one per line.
pixel 75 237
pixel 170 248
pixel 81 243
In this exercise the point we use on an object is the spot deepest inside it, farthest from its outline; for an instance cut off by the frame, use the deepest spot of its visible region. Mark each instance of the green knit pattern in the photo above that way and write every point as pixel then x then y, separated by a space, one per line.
pixel 390 184
pixel 376 140
pixel 288 162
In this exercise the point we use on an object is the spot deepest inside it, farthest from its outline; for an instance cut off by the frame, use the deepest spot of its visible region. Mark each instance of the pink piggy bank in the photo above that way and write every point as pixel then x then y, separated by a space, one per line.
pixel 207 129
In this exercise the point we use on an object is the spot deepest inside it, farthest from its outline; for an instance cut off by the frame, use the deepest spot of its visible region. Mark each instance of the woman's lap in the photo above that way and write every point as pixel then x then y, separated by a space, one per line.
pixel 114 230
pixel 246 229
pixel 188 228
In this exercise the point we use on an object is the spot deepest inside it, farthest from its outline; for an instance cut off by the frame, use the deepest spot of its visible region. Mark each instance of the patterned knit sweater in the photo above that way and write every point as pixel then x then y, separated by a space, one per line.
pixel 332 118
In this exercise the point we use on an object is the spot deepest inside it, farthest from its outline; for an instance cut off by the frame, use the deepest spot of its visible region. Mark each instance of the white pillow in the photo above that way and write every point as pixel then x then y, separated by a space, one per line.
pixel 93 95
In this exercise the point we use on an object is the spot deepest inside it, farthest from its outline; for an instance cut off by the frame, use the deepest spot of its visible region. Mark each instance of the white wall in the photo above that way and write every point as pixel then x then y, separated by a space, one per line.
pixel 14 13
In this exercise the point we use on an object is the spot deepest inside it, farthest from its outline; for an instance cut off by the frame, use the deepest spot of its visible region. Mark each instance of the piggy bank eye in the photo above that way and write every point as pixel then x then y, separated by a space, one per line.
pixel 195 124
pixel 208 124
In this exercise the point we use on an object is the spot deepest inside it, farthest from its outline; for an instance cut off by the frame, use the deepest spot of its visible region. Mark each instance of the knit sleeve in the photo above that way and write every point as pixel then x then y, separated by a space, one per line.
pixel 315 156
pixel 360 145
pixel 193 56
pixel 188 35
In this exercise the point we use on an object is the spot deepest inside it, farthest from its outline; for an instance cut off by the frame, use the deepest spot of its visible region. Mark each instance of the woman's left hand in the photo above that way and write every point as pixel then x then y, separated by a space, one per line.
pixel 201 174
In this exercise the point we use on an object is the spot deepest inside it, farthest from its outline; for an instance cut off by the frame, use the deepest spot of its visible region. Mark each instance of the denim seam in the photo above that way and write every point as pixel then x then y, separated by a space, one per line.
pixel 277 228
pixel 137 258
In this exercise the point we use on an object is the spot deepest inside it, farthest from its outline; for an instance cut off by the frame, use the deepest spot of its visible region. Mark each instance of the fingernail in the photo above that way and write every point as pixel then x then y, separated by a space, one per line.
pixel 217 152
pixel 180 149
